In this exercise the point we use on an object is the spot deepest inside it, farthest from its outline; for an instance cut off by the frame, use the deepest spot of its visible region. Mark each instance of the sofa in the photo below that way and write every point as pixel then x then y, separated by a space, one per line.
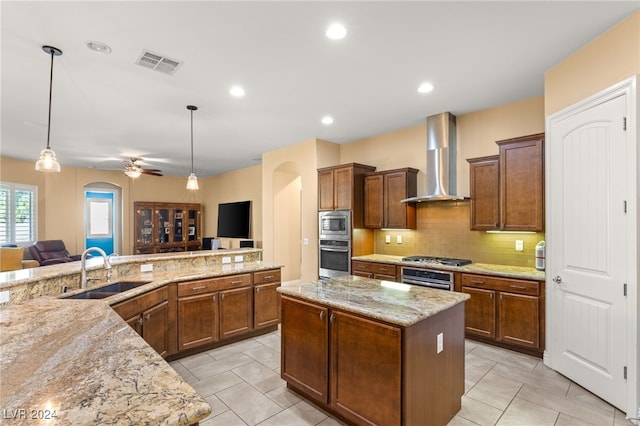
pixel 51 252
pixel 12 258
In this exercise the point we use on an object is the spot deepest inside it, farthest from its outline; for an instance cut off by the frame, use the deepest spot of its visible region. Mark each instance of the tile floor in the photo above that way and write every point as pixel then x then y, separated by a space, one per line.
pixel 242 384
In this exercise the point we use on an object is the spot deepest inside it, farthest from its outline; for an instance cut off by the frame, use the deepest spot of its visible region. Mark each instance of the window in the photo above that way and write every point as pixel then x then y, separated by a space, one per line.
pixel 18 217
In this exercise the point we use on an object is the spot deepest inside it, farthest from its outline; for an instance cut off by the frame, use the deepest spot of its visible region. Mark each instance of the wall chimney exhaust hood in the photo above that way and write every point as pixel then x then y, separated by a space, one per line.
pixel 441 160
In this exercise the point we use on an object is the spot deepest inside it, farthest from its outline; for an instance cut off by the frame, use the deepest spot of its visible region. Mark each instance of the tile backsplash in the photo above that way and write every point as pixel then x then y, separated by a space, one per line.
pixel 443 230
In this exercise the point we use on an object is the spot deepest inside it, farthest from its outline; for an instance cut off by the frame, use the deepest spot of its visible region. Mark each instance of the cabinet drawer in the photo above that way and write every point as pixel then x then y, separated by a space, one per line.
pixel 265 277
pixel 501 284
pixel 374 268
pixel 191 288
pixel 137 304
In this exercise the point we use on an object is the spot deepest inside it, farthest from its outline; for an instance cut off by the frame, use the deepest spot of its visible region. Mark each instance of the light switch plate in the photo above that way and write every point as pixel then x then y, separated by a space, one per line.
pixel 519 245
pixel 387 239
pixel 146 267
pixel 239 259
pixel 4 296
pixel 226 259
pixel 399 239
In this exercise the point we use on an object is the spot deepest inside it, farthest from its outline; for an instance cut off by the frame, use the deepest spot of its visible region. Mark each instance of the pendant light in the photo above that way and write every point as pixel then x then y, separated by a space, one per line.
pixel 47 161
pixel 192 182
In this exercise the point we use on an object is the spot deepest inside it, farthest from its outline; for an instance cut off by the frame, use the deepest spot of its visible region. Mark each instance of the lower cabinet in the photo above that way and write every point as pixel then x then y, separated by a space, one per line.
pixel 377 270
pixel 266 299
pixel 197 320
pixel 368 394
pixel 235 312
pixel 504 310
pixel 148 315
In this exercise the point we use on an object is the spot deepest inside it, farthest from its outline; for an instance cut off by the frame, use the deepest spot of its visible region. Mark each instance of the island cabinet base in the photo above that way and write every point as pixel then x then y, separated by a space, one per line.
pixel 369 372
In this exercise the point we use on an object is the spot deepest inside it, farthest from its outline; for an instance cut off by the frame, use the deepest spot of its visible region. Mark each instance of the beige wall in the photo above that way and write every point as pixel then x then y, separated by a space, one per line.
pixel 238 185
pixel 607 60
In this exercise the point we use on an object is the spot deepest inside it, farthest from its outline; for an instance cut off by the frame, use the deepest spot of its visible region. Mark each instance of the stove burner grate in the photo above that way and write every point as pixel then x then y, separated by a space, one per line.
pixel 440 260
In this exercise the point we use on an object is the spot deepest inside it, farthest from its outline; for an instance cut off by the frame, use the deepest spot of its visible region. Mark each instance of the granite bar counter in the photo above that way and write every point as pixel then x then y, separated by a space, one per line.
pixel 80 363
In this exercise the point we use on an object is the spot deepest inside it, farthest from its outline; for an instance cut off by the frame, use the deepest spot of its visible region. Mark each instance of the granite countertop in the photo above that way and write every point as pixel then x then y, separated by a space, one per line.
pixel 399 304
pixel 159 279
pixel 519 272
pixel 92 370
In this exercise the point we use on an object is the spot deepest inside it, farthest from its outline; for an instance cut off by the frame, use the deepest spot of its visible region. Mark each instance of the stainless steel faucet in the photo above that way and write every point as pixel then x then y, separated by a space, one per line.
pixel 83 265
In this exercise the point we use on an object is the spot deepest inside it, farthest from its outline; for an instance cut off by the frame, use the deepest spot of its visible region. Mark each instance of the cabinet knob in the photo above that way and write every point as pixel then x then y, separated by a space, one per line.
pixel 257 289
pixel 140 320
pixel 322 315
pixel 147 317
pixel 222 296
pixel 214 298
pixel 332 318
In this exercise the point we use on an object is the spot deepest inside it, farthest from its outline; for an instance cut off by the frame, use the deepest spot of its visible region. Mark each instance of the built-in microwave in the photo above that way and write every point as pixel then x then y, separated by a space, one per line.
pixel 335 225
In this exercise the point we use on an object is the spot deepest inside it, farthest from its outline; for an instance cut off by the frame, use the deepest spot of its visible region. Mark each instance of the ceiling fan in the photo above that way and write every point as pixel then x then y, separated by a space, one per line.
pixel 134 169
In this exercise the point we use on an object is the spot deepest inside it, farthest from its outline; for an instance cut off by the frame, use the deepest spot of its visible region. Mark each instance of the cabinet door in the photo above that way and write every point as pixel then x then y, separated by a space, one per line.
pixel 373 201
pixel 325 190
pixel 370 393
pixel 522 184
pixel 135 322
pixel 395 212
pixel 484 179
pixel 193 228
pixel 305 347
pixel 197 320
pixel 480 312
pixel 519 320
pixel 144 234
pixel 155 327
pixel 235 311
pixel 343 188
pixel 266 301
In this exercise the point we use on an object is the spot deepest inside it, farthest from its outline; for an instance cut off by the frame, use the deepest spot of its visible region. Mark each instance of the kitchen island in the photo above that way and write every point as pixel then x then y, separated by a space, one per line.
pixel 375 352
pixel 80 363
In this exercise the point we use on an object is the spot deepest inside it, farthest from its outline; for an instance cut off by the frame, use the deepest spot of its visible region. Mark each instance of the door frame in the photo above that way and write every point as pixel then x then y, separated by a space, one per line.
pixel 116 190
pixel 630 89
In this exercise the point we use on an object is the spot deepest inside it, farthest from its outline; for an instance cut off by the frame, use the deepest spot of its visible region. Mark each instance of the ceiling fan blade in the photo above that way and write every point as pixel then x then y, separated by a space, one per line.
pixel 152 170
pixel 151 173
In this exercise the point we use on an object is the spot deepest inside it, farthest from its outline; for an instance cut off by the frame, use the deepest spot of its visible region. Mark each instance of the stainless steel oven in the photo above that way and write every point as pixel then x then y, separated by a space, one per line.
pixel 335 225
pixel 428 278
pixel 334 258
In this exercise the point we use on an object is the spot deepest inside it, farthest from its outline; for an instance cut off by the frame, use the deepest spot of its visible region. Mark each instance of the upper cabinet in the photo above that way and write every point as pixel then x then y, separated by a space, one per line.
pixel 383 195
pixel 507 192
pixel 341 188
pixel 166 227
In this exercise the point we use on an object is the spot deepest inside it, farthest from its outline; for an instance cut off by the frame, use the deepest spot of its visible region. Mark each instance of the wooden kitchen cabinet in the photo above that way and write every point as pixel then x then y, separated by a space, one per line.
pixel 377 270
pixel 484 179
pixel 236 311
pixel 506 311
pixel 148 315
pixel 341 188
pixel 522 183
pixel 383 195
pixel 167 227
pixel 266 299
pixel 351 340
pixel 197 320
pixel 507 191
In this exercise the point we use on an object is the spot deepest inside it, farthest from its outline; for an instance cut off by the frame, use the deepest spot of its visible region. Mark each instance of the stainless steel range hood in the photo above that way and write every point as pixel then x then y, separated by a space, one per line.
pixel 441 160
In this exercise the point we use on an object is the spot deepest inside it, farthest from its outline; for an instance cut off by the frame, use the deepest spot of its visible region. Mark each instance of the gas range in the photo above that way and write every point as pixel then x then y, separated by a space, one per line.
pixel 438 260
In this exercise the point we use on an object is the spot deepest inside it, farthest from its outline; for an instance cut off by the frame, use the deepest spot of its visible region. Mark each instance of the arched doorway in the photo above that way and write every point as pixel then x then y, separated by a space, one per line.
pixel 103 216
pixel 287 233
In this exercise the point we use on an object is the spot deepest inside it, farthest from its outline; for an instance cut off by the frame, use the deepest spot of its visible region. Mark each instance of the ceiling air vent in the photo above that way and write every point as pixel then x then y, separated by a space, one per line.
pixel 158 62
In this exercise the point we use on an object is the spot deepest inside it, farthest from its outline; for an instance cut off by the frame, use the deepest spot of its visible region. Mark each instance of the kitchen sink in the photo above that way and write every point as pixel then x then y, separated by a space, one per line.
pixel 108 290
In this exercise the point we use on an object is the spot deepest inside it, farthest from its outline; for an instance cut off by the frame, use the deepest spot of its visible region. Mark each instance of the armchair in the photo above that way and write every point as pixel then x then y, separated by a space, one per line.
pixel 50 252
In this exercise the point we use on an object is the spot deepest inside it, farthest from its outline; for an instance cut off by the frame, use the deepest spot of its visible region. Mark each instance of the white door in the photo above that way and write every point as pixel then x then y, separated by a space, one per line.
pixel 587 242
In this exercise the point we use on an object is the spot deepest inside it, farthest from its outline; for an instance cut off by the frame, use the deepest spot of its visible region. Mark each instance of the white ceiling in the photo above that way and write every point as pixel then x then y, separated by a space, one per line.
pixel 105 108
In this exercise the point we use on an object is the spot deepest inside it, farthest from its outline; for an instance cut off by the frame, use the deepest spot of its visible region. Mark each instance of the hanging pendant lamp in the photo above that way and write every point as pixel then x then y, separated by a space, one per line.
pixel 47 161
pixel 192 182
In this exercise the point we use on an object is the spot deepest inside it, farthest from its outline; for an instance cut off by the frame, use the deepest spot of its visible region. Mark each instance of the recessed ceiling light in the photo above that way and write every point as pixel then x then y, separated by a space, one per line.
pixel 327 120
pixel 97 46
pixel 425 88
pixel 236 91
pixel 336 31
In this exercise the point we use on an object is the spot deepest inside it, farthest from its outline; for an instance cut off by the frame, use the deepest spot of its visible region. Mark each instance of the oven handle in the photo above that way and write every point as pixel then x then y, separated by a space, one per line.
pixel 341 250
pixel 426 284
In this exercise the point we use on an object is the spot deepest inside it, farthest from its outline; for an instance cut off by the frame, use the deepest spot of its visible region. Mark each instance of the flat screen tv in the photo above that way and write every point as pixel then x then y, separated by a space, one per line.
pixel 234 219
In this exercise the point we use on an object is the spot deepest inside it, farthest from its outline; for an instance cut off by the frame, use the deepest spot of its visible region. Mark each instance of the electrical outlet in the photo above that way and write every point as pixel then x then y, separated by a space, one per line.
pixel 440 343
pixel 519 245
pixel 239 259
pixel 399 239
pixel 4 296
pixel 226 260
pixel 387 239
pixel 305 241
pixel 146 267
